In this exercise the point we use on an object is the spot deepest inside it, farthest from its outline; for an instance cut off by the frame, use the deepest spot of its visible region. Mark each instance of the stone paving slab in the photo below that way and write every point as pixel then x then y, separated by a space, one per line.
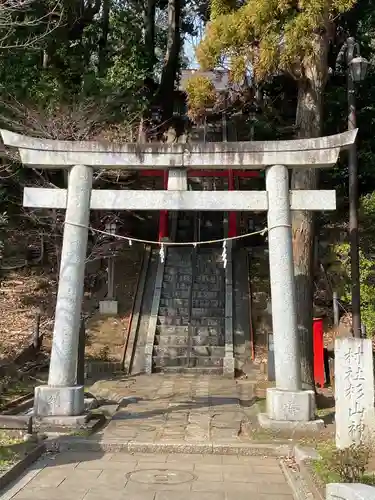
pixel 118 476
pixel 183 409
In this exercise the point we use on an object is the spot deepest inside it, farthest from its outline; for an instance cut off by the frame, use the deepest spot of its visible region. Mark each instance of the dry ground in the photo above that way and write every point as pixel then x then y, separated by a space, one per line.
pixel 26 291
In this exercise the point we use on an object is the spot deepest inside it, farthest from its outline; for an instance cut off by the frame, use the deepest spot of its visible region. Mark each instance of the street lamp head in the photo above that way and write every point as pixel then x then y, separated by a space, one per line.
pixel 358 68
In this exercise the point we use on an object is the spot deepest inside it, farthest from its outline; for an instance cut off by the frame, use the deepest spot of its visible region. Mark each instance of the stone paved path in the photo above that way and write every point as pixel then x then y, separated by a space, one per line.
pixel 177 409
pixel 121 476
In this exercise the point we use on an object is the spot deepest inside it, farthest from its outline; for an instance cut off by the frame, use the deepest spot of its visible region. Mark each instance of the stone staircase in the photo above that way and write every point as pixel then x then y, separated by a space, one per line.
pixel 189 334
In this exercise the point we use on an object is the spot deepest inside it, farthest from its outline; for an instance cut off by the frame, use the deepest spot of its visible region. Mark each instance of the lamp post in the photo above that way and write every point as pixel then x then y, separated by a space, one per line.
pixel 110 227
pixel 109 306
pixel 356 72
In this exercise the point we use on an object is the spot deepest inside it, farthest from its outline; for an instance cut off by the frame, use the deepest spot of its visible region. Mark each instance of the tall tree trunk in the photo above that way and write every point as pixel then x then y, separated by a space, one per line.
pixel 149 37
pixel 171 62
pixel 149 47
pixel 104 37
pixel 309 124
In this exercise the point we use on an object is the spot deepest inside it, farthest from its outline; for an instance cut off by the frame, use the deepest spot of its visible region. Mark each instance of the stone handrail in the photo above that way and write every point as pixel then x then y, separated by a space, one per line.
pixel 229 357
pixel 347 491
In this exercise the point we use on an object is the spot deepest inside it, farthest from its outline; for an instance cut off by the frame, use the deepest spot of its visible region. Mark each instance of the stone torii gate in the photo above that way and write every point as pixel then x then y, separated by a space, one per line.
pixel 287 402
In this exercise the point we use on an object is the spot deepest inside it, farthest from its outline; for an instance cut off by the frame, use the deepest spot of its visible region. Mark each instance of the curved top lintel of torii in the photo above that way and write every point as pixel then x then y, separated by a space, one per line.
pixel 46 153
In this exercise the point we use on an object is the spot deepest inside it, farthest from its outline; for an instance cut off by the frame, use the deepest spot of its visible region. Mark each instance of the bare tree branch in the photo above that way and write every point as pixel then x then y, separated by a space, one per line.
pixel 20 14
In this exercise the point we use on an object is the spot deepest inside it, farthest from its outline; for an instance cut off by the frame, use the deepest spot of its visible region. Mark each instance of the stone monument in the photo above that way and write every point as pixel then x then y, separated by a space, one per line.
pixel 287 403
pixel 354 391
pixel 336 491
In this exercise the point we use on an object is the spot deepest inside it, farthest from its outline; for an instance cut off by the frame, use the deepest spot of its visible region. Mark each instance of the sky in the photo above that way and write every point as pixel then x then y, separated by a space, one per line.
pixel 189 49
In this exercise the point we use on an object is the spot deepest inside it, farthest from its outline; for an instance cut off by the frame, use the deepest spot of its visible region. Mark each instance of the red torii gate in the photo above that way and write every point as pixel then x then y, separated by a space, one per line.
pixel 230 174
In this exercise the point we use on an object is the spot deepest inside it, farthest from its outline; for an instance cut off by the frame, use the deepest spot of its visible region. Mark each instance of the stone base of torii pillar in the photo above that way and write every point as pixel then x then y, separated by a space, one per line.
pixel 290 410
pixel 288 406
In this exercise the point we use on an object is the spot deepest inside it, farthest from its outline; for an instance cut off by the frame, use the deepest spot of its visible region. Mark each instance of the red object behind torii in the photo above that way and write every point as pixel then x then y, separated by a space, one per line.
pixel 318 343
pixel 231 174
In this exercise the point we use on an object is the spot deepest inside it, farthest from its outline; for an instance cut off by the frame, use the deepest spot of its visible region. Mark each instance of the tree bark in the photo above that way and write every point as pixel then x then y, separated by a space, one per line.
pixel 309 124
pixel 171 62
pixel 149 37
pixel 104 37
pixel 149 47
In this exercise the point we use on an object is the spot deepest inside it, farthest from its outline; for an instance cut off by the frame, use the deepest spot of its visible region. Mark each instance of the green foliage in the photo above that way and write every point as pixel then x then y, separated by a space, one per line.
pixel 222 7
pixel 72 63
pixel 201 95
pixel 348 465
pixel 367 282
pixel 367 263
pixel 267 37
pixel 270 34
pixel 127 65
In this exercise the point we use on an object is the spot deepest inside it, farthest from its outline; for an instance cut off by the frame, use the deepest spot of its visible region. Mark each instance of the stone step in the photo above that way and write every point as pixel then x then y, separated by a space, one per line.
pixel 172 330
pixel 194 361
pixel 183 320
pixel 180 264
pixel 196 340
pixel 179 250
pixel 182 261
pixel 179 254
pixel 216 264
pixel 206 321
pixel 177 279
pixel 208 331
pixel 208 252
pixel 173 311
pixel 196 303
pixel 210 277
pixel 197 294
pixel 198 331
pixel 207 312
pixel 207 267
pixel 200 275
pixel 176 351
pixel 195 371
pixel 207 278
pixel 177 270
pixel 176 340
pixel 174 302
pixel 170 287
pixel 211 340
pixel 206 275
pixel 173 320
pixel 208 303
pixel 174 294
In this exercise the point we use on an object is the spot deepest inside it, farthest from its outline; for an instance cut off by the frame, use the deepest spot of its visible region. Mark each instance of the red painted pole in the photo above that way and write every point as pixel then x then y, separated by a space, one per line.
pixel 319 372
pixel 163 216
pixel 232 216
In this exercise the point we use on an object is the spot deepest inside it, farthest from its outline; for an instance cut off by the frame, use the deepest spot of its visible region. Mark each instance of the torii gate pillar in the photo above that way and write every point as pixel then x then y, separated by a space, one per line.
pixel 287 402
pixel 62 396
